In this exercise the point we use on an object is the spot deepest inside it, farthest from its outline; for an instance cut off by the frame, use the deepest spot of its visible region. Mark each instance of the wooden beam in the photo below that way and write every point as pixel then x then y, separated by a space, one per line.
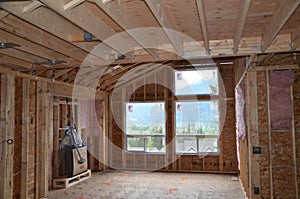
pixel 27 31
pixel 5 59
pixel 248 64
pixel 73 4
pixel 3 14
pixel 62 72
pixel 25 139
pixel 49 21
pixel 202 17
pixel 266 59
pixel 83 17
pixel 277 67
pixel 124 18
pixel 296 38
pixel 32 6
pixel 33 48
pixel 240 23
pixel 278 20
pixel 160 13
pixel 42 141
pixel 7 135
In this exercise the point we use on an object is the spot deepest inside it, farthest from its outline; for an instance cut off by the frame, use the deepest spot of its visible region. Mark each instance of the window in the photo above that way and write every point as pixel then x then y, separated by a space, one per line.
pixel 145 127
pixel 196 82
pixel 197 121
pixel 197 126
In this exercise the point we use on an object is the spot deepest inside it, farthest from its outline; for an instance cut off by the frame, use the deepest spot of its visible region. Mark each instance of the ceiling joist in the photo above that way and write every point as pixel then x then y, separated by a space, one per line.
pixel 202 17
pixel 279 19
pixel 32 6
pixel 296 38
pixel 240 23
pixel 3 14
pixel 73 4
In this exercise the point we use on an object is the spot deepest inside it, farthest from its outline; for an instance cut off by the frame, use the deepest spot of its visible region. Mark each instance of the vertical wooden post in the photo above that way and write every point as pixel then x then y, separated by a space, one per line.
pixel 269 135
pixel 49 137
pixel 42 140
pixel 25 140
pixel 253 135
pixel 106 130
pixel 56 138
pixel 294 144
pixel 7 135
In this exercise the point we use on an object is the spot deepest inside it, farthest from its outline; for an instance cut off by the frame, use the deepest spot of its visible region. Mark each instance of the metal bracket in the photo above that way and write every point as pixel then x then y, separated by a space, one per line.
pixel 256 150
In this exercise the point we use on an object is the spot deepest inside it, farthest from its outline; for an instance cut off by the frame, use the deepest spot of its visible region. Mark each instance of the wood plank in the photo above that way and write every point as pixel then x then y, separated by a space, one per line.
pixel 240 23
pixel 73 4
pixel 279 19
pixel 253 136
pixel 7 133
pixel 269 136
pixel 294 145
pixel 56 114
pixel 33 48
pixel 160 13
pixel 124 18
pixel 12 61
pixel 202 17
pixel 277 67
pixel 32 6
pixel 89 21
pixel 248 64
pixel 49 21
pixel 25 139
pixel 3 14
pixel 266 59
pixel 42 141
pixel 32 33
pixel 296 38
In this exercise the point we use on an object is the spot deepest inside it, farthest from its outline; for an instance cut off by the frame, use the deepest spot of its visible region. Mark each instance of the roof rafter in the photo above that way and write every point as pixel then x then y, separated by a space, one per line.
pixel 118 13
pixel 240 23
pixel 202 17
pixel 3 14
pixel 296 38
pixel 72 4
pixel 278 20
pixel 160 13
pixel 32 6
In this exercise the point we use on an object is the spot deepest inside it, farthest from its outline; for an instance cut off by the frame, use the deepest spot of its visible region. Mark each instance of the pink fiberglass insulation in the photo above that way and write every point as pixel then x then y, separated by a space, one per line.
pixel 280 99
pixel 240 112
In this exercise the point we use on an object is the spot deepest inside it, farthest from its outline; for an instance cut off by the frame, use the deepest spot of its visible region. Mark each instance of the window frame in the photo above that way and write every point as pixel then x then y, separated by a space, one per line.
pixel 144 136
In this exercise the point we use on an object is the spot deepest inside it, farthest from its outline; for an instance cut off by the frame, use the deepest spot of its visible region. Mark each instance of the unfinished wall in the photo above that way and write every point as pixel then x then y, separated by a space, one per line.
pixel 275 171
pixel 37 113
pixel 142 89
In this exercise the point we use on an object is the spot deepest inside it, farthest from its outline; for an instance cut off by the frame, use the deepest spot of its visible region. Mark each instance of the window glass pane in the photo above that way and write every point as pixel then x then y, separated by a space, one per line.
pixel 208 145
pixel 186 145
pixel 145 118
pixel 196 118
pixel 135 144
pixel 155 144
pixel 196 82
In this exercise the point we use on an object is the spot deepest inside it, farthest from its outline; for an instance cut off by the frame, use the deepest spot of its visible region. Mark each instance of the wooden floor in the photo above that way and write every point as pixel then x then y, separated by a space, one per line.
pixel 153 185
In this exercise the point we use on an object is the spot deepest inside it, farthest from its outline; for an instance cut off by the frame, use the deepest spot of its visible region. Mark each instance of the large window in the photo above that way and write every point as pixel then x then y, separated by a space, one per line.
pixel 145 127
pixel 196 82
pixel 197 121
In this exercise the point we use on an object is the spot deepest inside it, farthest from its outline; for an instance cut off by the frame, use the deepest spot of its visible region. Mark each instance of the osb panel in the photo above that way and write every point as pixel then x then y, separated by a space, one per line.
pixel 259 14
pixel 32 138
pixel 283 182
pixel 18 138
pixel 185 21
pixel 221 17
pixel 264 172
pixel 227 74
pixel 151 162
pixel 211 163
pixel 197 163
pixel 140 161
pixel 185 162
pixel 281 139
pixel 262 102
pixel 293 22
pixel 244 169
pixel 129 160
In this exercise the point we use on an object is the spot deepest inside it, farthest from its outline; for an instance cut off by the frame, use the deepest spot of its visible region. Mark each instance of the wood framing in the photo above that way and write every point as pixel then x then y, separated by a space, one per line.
pixel 72 4
pixel 202 17
pixel 7 135
pixel 279 18
pixel 3 14
pixel 32 6
pixel 240 23
pixel 296 38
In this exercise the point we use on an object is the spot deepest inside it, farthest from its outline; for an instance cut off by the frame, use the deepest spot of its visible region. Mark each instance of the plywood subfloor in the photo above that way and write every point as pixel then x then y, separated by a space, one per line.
pixel 153 185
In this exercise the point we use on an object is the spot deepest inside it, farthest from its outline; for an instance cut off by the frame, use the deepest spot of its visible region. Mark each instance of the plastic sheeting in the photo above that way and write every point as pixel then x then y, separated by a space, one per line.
pixel 240 112
pixel 280 99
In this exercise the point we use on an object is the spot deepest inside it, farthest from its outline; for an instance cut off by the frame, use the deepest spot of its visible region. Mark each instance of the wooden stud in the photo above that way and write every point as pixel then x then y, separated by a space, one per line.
pixel 56 114
pixel 42 141
pixel 266 59
pixel 73 4
pixel 202 17
pixel 7 135
pixel 269 135
pixel 279 19
pixel 296 38
pixel 240 23
pixel 32 6
pixel 248 64
pixel 294 145
pixel 25 139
